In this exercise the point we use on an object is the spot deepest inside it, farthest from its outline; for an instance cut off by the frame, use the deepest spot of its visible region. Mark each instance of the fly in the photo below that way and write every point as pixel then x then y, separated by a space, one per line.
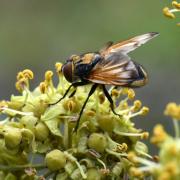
pixel 110 66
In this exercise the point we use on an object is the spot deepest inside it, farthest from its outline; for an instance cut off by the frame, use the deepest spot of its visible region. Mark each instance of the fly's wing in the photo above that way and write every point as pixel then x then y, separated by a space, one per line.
pixel 127 46
pixel 118 70
pixel 116 67
pixel 106 46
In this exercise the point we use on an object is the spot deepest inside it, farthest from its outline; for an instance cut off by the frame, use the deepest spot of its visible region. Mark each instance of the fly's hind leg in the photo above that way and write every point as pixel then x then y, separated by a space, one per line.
pixel 93 88
pixel 106 93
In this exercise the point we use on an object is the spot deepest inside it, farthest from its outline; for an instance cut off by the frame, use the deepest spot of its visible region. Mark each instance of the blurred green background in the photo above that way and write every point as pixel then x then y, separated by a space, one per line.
pixel 36 34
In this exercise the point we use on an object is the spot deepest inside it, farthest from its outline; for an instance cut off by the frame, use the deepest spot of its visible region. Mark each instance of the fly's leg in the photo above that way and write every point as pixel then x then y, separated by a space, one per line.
pixel 73 93
pixel 106 93
pixel 93 88
pixel 76 84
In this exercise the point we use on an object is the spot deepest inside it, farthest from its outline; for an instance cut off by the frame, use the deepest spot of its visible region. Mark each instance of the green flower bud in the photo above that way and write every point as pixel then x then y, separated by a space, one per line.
pixel 106 122
pixel 12 137
pixel 97 142
pixel 93 174
pixel 29 122
pixel 27 135
pixel 55 160
pixel 41 131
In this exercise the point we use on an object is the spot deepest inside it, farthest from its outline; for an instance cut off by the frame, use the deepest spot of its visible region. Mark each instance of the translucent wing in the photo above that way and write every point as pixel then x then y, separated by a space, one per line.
pixel 116 67
pixel 127 46
pixel 118 70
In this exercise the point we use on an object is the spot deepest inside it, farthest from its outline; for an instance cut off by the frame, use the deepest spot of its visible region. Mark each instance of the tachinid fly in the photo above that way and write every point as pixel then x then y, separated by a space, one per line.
pixel 110 66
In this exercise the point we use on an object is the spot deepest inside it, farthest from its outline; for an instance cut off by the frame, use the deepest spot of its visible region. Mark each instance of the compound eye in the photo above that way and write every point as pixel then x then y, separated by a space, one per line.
pixel 67 70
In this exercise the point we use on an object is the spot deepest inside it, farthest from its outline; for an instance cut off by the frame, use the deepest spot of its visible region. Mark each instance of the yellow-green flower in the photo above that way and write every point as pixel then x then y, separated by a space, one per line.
pixel 169 12
pixel 99 149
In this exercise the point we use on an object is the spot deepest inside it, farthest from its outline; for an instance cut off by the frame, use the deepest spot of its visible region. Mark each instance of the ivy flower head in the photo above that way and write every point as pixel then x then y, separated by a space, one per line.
pixel 102 142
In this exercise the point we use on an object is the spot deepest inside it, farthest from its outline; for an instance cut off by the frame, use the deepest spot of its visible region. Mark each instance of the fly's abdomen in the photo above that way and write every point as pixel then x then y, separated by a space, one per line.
pixel 142 77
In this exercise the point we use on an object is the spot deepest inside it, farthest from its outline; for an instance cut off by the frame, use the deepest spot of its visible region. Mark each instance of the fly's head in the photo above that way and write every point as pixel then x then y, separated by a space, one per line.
pixel 68 68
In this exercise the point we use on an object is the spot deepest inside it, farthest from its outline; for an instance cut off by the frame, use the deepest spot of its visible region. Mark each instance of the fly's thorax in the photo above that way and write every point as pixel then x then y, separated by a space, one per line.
pixel 79 67
pixel 87 58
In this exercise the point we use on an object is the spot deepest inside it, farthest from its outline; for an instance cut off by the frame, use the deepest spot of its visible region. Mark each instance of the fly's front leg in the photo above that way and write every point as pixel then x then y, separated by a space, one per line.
pixel 76 84
pixel 106 93
pixel 73 93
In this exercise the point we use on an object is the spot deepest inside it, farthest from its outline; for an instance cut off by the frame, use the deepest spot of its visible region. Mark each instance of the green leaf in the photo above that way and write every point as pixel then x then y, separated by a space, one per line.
pixel 52 113
pixel 53 126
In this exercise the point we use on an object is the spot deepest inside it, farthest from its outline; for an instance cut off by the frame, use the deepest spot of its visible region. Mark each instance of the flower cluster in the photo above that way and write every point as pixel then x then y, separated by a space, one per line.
pixel 170 12
pixel 167 165
pixel 31 129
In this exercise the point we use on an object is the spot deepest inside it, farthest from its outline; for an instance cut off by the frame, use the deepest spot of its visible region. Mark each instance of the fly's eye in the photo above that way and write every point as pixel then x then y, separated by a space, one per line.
pixel 67 70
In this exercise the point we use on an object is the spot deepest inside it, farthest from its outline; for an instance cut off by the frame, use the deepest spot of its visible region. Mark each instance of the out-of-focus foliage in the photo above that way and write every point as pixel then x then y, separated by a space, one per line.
pixel 167 161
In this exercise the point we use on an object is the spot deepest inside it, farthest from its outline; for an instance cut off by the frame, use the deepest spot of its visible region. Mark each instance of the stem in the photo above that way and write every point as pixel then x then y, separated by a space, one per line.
pixel 149 168
pixel 146 162
pixel 123 101
pixel 20 167
pixel 81 170
pixel 61 83
pixel 66 137
pixel 51 87
pixel 110 140
pixel 73 159
pixel 127 134
pixel 176 128
pixel 26 97
pixel 134 114
pixel 118 155
pixel 145 154
pixel 6 110
pixel 174 10
pixel 28 94
pixel 102 163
